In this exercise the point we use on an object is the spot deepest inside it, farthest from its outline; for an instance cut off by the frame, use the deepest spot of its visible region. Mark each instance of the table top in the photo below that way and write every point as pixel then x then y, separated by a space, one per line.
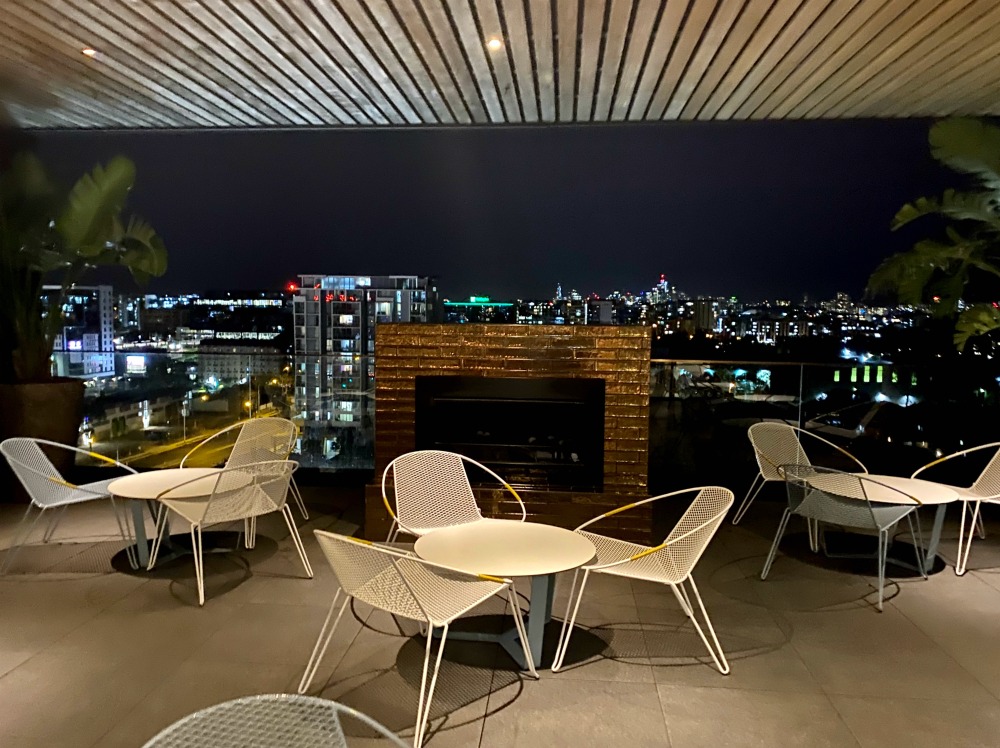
pixel 506 548
pixel 925 491
pixel 150 485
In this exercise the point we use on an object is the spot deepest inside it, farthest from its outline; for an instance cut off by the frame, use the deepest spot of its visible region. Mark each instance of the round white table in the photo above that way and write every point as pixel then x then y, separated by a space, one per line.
pixel 510 548
pixel 892 489
pixel 143 487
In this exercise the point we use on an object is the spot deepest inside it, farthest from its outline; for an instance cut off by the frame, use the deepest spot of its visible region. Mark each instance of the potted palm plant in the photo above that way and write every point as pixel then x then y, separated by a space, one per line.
pixel 958 272
pixel 49 237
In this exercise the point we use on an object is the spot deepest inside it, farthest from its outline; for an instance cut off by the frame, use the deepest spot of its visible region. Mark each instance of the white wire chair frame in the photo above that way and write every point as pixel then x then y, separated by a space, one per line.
pixel 431 490
pixel 239 493
pixel 671 563
pixel 409 587
pixel 270 721
pixel 777 444
pixel 985 488
pixel 260 440
pixel 827 496
pixel 47 489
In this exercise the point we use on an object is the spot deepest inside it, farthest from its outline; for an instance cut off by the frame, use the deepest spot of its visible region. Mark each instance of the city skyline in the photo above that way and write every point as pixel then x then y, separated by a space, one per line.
pixel 752 209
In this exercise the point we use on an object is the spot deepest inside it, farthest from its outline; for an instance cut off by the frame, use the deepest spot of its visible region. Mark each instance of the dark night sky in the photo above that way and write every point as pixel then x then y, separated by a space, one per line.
pixel 753 209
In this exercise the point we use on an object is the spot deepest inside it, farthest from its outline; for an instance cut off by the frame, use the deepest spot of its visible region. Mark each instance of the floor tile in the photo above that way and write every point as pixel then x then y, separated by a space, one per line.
pixel 919 723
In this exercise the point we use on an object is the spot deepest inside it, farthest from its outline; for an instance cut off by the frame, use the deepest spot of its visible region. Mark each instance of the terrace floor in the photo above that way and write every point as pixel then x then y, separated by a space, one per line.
pixel 93 656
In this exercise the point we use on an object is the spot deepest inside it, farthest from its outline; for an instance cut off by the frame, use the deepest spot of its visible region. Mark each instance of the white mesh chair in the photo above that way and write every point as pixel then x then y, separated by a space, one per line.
pixel 240 493
pixel 259 440
pixel 985 488
pixel 47 490
pixel 409 587
pixel 833 497
pixel 670 563
pixel 431 491
pixel 777 444
pixel 269 721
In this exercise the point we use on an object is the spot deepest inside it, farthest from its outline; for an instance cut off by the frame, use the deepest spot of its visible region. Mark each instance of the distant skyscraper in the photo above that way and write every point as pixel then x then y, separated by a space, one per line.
pixel 335 318
pixel 85 345
pixel 559 291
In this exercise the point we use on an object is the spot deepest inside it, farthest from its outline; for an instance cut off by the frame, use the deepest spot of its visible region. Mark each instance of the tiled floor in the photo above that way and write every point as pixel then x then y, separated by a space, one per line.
pixel 93 656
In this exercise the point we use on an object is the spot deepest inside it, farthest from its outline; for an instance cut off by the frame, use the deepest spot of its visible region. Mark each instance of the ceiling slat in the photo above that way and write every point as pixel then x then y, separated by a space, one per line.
pixel 474 48
pixel 685 49
pixel 568 21
pixel 490 28
pixel 590 55
pixel 540 19
pixel 619 18
pixel 644 24
pixel 518 42
pixel 667 32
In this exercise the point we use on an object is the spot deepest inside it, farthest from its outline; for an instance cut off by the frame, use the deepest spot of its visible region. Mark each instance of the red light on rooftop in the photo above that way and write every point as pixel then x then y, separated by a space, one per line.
pixel 292 287
pixel 329 297
pixel 342 297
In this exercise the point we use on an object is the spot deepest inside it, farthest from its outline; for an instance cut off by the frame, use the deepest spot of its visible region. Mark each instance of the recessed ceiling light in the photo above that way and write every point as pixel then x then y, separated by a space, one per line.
pixel 494 44
pixel 89 51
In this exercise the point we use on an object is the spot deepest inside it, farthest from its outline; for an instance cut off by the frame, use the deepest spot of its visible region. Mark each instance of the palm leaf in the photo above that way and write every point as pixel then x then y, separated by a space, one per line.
pixel 970 146
pixel 88 222
pixel 961 206
pixel 978 319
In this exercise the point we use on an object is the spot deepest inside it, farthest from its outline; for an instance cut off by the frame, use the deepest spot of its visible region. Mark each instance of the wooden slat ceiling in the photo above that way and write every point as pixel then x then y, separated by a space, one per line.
pixel 312 63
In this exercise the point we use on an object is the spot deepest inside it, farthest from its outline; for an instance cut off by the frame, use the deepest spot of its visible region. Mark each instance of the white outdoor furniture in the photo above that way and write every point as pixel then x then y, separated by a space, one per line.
pixel 863 502
pixel 259 440
pixel 777 444
pixel 141 488
pixel 47 489
pixel 670 563
pixel 240 493
pixel 409 587
pixel 431 490
pixel 984 488
pixel 509 548
pixel 270 721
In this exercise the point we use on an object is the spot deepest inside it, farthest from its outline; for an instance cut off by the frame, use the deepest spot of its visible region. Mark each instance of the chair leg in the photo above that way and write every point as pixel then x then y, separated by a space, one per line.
pixel 126 533
pixel 21 539
pixel 682 598
pixel 56 518
pixel 966 530
pixel 393 532
pixel 199 562
pixel 294 532
pixel 323 641
pixel 774 546
pixel 883 549
pixel 299 502
pixel 748 499
pixel 718 656
pixel 159 530
pixel 427 692
pixel 522 633
pixel 569 620
pixel 813 526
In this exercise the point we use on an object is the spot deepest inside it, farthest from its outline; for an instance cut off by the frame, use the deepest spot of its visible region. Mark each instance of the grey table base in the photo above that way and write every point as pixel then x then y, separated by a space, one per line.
pixel 539 614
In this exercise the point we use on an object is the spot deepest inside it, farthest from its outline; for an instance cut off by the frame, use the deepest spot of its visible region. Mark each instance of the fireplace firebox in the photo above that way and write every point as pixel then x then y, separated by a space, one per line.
pixel 542 433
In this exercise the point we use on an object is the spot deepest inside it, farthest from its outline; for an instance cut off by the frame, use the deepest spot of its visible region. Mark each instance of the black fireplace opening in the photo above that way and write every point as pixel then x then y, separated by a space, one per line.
pixel 542 433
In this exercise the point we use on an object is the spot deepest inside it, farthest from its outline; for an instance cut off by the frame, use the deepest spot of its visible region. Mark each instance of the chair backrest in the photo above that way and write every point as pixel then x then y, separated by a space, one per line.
pixel 272 720
pixel 263 439
pixel 774 445
pixel 241 492
pixel 431 489
pixel 843 498
pixel 694 531
pixel 988 482
pixel 42 482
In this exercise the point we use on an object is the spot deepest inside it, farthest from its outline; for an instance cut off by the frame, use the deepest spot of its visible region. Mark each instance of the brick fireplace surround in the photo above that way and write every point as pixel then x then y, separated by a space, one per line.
pixel 618 355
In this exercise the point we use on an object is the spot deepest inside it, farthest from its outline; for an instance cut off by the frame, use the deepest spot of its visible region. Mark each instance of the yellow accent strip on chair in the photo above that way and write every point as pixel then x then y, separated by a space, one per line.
pixel 102 458
pixel 489 578
pixel 62 482
pixel 385 501
pixel 619 509
pixel 359 540
pixel 648 551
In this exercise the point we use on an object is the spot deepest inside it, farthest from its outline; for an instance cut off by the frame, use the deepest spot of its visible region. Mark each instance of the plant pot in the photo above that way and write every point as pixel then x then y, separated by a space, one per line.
pixel 43 410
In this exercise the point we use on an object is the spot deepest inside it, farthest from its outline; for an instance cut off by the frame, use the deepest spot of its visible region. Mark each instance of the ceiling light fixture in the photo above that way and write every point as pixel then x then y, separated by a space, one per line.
pixel 89 51
pixel 494 44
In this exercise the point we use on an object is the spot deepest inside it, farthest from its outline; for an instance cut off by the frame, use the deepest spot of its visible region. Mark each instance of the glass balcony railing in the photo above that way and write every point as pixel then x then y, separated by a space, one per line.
pixel 150 409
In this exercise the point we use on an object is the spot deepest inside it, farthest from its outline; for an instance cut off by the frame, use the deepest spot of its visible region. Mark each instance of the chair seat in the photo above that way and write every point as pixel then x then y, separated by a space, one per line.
pixel 610 550
pixel 85 492
pixel 252 504
pixel 967 494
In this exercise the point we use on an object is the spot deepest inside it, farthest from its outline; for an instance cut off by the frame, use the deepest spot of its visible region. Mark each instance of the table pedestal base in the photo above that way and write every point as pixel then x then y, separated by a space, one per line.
pixel 540 613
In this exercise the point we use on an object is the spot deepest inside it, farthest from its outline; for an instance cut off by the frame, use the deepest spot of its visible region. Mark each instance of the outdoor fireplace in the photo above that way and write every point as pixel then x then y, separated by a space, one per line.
pixel 560 411
pixel 543 433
